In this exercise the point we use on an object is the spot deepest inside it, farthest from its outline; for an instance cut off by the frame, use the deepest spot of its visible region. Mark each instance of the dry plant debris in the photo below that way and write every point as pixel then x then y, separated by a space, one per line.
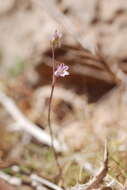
pixel 98 178
pixel 87 107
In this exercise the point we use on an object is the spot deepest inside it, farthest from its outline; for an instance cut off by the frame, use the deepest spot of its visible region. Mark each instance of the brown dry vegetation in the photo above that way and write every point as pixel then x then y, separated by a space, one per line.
pixel 89 105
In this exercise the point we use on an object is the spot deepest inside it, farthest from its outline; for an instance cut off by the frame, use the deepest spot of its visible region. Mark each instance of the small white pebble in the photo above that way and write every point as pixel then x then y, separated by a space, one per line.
pixel 15 181
pixel 15 168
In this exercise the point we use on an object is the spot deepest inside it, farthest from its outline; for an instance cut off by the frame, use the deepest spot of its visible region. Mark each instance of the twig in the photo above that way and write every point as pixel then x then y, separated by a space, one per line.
pixel 98 178
pixel 27 125
pixel 10 179
pixel 45 182
pixel 111 181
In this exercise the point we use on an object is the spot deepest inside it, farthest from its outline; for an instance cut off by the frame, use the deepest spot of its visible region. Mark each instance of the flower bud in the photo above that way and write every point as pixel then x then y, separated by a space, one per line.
pixel 56 39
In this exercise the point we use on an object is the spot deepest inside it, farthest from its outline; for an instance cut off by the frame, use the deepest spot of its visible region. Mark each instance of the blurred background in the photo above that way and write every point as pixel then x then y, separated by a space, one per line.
pixel 89 105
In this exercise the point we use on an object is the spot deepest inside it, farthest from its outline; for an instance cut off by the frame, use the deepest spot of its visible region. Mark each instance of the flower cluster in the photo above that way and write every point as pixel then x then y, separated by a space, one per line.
pixel 62 70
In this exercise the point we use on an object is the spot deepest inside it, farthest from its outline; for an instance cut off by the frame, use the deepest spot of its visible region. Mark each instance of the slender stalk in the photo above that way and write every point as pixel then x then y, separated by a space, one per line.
pixel 49 111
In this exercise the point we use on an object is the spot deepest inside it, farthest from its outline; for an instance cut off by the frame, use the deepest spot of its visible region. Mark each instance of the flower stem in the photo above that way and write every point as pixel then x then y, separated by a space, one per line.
pixel 49 112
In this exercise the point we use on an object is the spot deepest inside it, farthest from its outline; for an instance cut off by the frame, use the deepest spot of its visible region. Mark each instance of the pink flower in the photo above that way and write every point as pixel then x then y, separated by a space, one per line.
pixel 61 70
